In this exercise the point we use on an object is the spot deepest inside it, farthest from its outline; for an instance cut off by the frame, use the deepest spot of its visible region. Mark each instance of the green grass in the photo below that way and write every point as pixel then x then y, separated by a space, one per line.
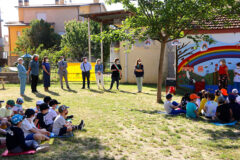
pixel 125 125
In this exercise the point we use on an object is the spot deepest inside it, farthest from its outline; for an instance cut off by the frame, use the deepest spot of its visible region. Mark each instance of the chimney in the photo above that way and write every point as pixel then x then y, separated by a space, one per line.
pixel 95 1
pixel 26 2
pixel 57 2
pixel 61 2
pixel 20 2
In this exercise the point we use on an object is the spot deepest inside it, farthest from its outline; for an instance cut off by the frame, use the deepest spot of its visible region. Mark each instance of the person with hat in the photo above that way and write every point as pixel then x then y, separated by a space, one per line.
pixel 34 69
pixel 52 114
pixel 61 126
pixel 37 108
pixel 39 121
pixel 6 112
pixel 15 140
pixel 22 75
pixel 235 107
pixel 18 109
pixel 191 107
pixel 86 67
pixel 224 93
pixel 31 132
pixel 224 112
pixel 172 107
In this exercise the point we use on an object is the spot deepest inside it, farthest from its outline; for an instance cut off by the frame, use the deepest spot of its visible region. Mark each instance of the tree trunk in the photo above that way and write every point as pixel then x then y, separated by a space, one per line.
pixel 160 72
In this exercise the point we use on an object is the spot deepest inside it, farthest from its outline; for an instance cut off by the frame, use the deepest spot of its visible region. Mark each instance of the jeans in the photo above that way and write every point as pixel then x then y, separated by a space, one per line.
pixel 22 84
pixel 236 85
pixel 176 112
pixel 113 80
pixel 34 83
pixel 139 83
pixel 30 143
pixel 99 78
pixel 84 75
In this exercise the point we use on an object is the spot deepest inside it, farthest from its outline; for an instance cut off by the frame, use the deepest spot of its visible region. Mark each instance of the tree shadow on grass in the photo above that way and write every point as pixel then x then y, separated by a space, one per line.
pixel 89 148
pixel 53 93
pixel 26 98
pixel 222 134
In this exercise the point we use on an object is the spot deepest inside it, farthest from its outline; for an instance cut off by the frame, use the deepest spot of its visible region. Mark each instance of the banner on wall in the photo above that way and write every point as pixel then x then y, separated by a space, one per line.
pixel 75 73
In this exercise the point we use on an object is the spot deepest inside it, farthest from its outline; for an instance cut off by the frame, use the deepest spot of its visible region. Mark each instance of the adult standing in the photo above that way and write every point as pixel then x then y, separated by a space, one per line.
pixel 46 73
pixel 34 69
pixel 139 73
pixel 236 80
pixel 223 75
pixel 116 69
pixel 99 73
pixel 62 71
pixel 22 75
pixel 86 67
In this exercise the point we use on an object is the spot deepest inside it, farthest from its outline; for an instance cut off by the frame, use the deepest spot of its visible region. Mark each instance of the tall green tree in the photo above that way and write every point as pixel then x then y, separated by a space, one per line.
pixel 167 20
pixel 76 39
pixel 39 33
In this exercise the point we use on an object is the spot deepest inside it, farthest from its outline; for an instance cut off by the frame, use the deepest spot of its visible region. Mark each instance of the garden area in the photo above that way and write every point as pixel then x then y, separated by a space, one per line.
pixel 126 125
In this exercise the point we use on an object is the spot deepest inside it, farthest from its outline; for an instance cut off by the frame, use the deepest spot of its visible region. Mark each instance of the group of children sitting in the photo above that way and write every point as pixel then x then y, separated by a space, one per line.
pixel 26 129
pixel 221 106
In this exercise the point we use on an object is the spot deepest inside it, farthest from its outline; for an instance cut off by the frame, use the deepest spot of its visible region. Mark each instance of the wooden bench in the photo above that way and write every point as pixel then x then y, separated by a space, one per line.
pixel 2 78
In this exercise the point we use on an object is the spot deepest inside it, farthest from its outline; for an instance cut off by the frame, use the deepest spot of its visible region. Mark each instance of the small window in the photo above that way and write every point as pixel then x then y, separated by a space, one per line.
pixel 42 16
pixel 18 33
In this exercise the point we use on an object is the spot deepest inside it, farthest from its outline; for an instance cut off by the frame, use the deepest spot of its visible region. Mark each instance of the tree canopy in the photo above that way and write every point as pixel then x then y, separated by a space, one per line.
pixel 167 20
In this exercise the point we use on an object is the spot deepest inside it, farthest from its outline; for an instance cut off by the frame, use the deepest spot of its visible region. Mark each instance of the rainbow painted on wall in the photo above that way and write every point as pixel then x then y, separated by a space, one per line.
pixel 211 53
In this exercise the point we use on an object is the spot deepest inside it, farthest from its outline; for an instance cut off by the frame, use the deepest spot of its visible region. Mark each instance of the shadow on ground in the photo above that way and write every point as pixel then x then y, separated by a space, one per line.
pixel 53 93
pixel 26 98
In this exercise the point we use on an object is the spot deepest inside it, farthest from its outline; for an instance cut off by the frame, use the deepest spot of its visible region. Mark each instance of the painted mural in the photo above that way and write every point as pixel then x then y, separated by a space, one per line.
pixel 197 67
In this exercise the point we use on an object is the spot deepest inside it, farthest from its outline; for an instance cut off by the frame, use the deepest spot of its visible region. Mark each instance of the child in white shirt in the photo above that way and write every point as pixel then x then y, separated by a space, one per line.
pixel 210 107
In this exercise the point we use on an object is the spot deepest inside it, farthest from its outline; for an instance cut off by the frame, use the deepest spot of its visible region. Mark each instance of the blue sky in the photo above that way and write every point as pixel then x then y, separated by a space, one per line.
pixel 10 13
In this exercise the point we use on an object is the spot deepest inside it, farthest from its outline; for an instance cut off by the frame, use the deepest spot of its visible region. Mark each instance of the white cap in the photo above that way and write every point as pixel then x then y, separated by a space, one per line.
pixel 235 91
pixel 39 102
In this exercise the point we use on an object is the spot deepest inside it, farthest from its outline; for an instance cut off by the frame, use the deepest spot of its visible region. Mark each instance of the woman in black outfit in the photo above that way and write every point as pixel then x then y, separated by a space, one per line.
pixel 116 69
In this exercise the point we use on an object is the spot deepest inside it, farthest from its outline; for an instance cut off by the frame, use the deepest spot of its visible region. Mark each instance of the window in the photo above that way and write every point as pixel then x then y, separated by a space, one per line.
pixel 42 16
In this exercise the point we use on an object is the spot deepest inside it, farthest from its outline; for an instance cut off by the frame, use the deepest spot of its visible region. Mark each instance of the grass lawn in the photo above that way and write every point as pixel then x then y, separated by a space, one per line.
pixel 125 125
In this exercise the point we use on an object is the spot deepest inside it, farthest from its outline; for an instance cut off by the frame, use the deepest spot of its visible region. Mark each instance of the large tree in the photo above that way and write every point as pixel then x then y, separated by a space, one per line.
pixel 40 33
pixel 167 20
pixel 76 39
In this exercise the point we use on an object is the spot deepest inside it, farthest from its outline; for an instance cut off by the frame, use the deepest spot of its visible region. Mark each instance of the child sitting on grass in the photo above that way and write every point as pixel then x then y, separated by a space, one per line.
pixel 39 121
pixel 61 126
pixel 6 113
pixel 37 108
pixel 52 114
pixel 47 99
pixel 217 95
pixel 224 112
pixel 31 132
pixel 210 107
pixel 203 101
pixel 192 107
pixel 18 109
pixel 15 140
pixel 184 101
pixel 172 108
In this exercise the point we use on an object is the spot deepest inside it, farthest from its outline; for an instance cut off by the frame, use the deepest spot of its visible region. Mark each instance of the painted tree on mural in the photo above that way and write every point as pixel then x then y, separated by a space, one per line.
pixel 168 20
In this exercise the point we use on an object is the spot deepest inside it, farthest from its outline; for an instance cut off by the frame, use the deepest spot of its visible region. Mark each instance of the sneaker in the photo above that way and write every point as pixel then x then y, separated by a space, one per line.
pixel 81 125
pixel 44 148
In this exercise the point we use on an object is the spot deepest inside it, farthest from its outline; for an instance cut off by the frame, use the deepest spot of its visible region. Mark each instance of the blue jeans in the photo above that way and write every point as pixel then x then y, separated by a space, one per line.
pixel 236 85
pixel 22 84
pixel 176 112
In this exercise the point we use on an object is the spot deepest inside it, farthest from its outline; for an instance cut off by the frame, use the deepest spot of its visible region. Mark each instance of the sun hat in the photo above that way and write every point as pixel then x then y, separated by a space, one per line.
pixel 16 118
pixel 62 108
pixel 20 100
pixel 235 91
pixel 11 102
pixel 224 92
pixel 53 102
pixel 194 96
pixel 39 102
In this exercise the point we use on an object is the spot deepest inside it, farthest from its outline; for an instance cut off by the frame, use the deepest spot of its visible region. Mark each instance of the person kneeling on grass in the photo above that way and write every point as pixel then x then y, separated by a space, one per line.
pixel 172 108
pixel 192 107
pixel 31 132
pixel 61 126
pixel 15 140
pixel 210 107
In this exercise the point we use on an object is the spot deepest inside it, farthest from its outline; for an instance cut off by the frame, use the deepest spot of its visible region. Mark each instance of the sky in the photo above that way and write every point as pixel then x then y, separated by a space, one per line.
pixel 10 13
